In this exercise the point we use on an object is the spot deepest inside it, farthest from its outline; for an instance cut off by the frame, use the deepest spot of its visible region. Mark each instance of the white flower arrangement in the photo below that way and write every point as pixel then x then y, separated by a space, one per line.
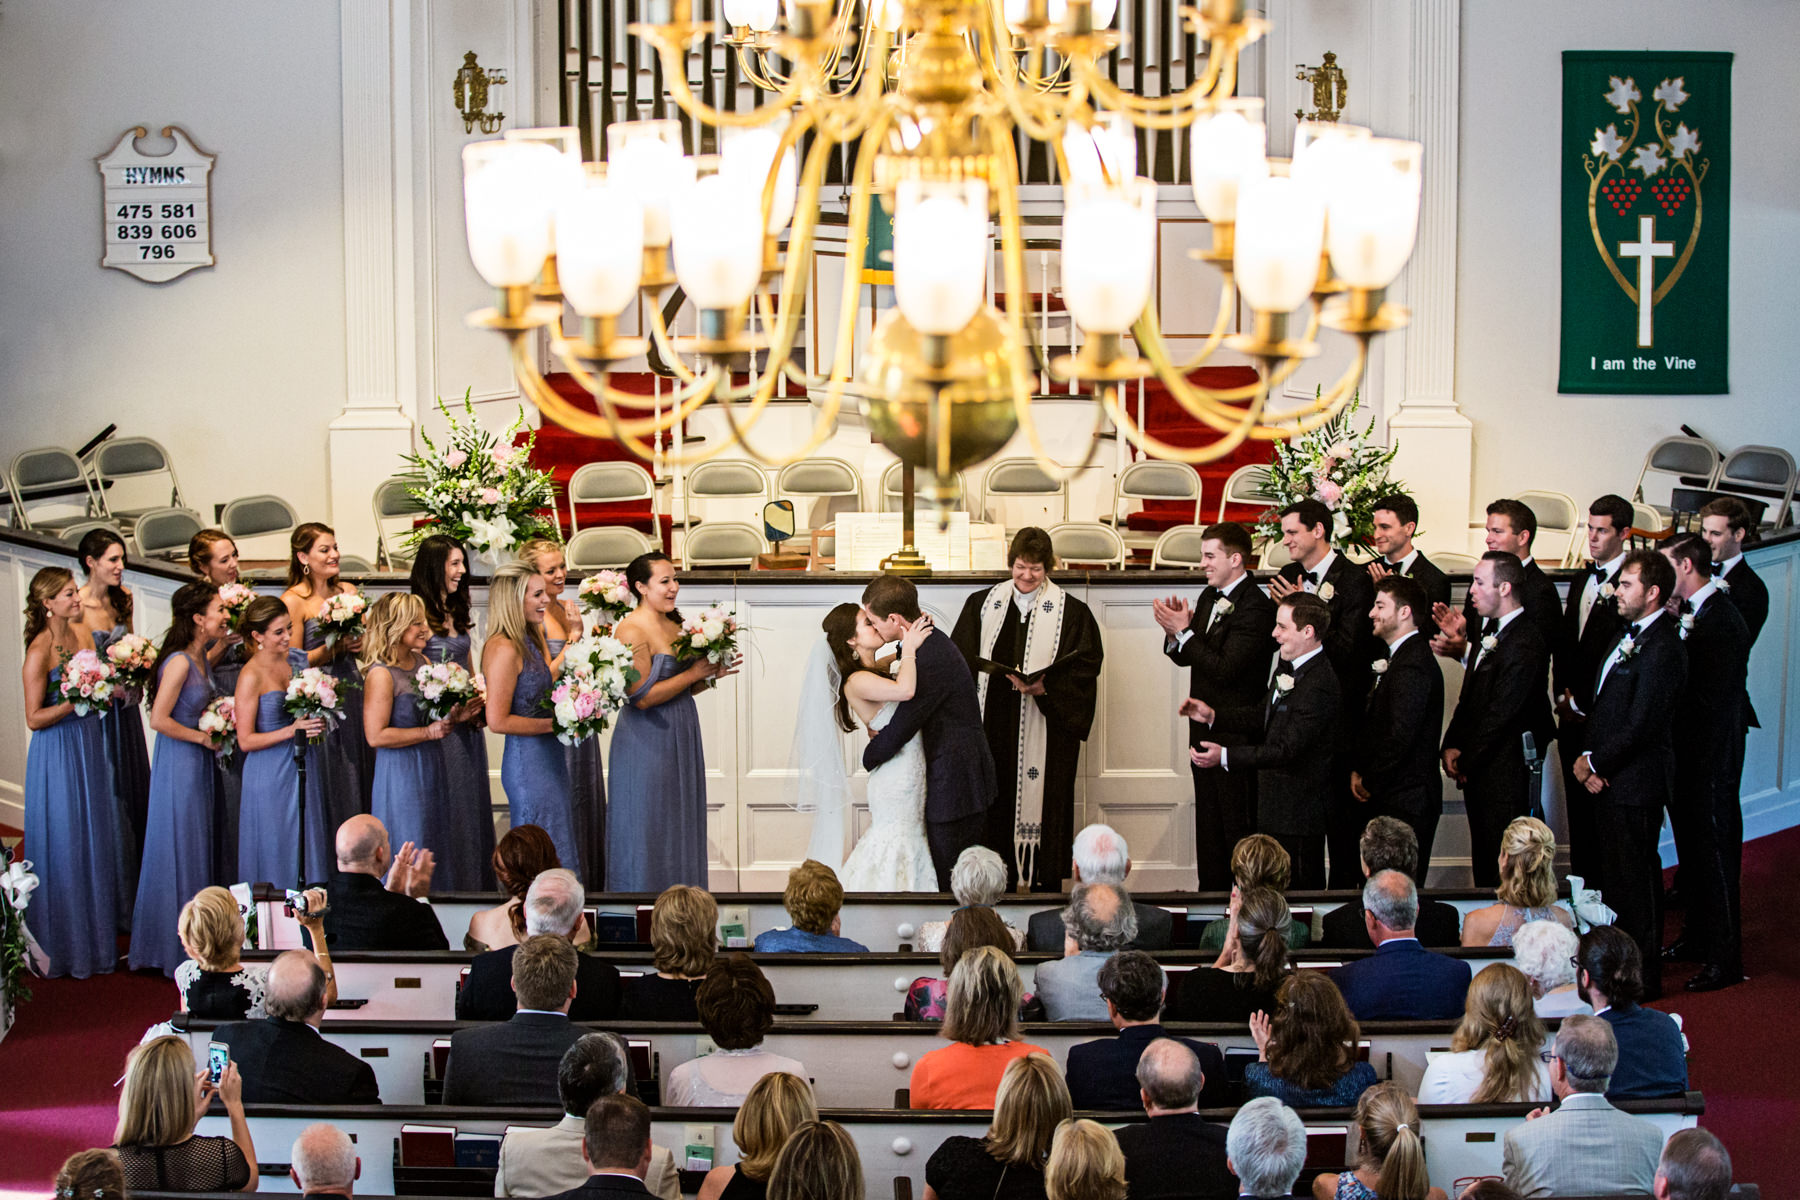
pixel 1337 466
pixel 341 617
pixel 480 489
pixel 236 598
pixel 219 724
pixel 314 693
pixel 710 634
pixel 608 596
pixel 17 883
pixel 132 658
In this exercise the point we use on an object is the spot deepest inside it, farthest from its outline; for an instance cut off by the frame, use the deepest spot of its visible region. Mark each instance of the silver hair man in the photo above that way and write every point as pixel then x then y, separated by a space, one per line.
pixel 1266 1147
pixel 1392 899
pixel 1589 1052
pixel 295 990
pixel 979 877
pixel 1169 1077
pixel 1101 855
pixel 553 903
pixel 1100 917
pixel 323 1159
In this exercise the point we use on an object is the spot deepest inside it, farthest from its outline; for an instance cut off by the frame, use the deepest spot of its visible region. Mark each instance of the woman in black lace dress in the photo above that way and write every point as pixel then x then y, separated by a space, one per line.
pixel 162 1099
pixel 213 983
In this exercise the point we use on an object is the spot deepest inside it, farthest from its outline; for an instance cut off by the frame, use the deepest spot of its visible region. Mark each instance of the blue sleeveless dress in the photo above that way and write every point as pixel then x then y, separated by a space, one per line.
pixel 587 784
pixel 228 778
pixel 349 760
pixel 409 780
pixel 465 862
pixel 123 727
pixel 269 821
pixel 656 822
pixel 75 843
pixel 535 771
pixel 179 857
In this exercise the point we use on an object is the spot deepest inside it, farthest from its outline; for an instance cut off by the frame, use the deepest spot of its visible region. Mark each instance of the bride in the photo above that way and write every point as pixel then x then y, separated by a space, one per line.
pixel 844 685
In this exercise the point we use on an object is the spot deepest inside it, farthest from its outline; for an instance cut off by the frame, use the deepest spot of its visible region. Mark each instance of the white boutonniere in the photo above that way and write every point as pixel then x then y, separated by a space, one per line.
pixel 1687 625
pixel 1379 666
pixel 1223 607
pixel 1627 648
pixel 1606 591
pixel 1489 642
pixel 1719 582
pixel 1284 684
pixel 1326 592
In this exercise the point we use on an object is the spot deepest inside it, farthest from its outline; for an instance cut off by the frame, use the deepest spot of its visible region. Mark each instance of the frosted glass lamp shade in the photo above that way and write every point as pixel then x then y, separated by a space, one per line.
pixel 759 15
pixel 507 208
pixel 1375 212
pixel 940 253
pixel 564 180
pixel 1228 147
pixel 748 154
pixel 646 158
pixel 718 234
pixel 1104 12
pixel 1322 150
pixel 888 14
pixel 1016 12
pixel 1104 152
pixel 1280 231
pixel 600 246
pixel 1108 253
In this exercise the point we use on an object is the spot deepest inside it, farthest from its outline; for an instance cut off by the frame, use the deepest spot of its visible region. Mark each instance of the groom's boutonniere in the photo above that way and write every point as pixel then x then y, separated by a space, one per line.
pixel 1284 684
pixel 1627 648
pixel 1223 607
pixel 1326 592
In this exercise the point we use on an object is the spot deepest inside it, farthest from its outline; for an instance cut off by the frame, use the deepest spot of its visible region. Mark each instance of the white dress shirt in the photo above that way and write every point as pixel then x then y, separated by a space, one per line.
pixel 1590 591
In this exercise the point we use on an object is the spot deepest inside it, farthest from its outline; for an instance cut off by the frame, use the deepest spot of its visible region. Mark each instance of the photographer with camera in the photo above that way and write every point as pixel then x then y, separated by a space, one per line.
pixel 161 1099
pixel 213 982
pixel 377 897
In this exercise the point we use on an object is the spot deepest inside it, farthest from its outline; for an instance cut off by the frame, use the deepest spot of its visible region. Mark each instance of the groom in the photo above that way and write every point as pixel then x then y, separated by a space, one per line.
pixel 959 768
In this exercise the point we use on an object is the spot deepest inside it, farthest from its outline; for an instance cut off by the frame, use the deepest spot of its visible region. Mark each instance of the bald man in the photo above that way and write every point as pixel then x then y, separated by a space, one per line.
pixel 282 1058
pixel 378 897
pixel 1098 923
pixel 323 1162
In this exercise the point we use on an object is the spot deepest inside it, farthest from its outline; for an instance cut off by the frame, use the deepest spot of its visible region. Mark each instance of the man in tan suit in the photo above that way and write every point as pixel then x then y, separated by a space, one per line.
pixel 1586 1147
pixel 546 1162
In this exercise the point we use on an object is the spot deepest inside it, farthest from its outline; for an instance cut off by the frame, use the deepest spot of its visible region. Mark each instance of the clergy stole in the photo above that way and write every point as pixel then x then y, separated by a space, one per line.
pixel 1042 633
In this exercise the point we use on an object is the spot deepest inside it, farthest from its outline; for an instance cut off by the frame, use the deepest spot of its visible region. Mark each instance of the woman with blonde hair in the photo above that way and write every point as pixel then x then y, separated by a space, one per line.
pixel 1008 1163
pixel 1527 888
pixel 684 941
pixel 1256 861
pixel 160 1102
pixel 91 1175
pixel 1499 1052
pixel 778 1104
pixel 312 578
pixel 1085 1163
pixel 1306 1053
pixel 409 789
pixel 1391 1164
pixel 214 983
pixel 981 1023
pixel 1251 967
pixel 819 1162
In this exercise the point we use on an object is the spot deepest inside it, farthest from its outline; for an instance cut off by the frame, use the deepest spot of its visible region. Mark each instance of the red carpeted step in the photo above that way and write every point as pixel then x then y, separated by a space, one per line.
pixel 1165 419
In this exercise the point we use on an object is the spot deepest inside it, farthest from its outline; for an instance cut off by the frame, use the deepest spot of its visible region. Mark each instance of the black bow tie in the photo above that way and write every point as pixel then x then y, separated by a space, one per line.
pixel 1398 567
pixel 1311 577
pixel 1633 630
pixel 1685 607
pixel 1285 668
pixel 1718 568
pixel 1599 572
pixel 1490 626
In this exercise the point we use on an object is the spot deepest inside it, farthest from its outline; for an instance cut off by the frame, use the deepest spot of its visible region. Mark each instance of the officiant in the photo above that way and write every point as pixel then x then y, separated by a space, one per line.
pixel 1035 651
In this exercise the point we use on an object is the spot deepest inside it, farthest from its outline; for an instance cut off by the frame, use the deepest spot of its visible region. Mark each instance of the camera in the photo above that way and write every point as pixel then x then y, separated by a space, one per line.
pixel 300 903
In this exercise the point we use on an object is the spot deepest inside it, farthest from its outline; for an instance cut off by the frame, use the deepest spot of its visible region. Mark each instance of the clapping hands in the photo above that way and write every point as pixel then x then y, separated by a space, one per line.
pixel 1173 615
pixel 411 873
pixel 1197 710
pixel 1453 631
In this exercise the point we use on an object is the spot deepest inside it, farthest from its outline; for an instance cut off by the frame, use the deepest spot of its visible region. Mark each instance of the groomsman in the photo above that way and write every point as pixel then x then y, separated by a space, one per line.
pixel 1351 647
pixel 1503 698
pixel 1511 528
pixel 1286 740
pixel 1396 520
pixel 1223 640
pixel 1397 751
pixel 1590 621
pixel 1709 761
pixel 1725 524
pixel 1629 763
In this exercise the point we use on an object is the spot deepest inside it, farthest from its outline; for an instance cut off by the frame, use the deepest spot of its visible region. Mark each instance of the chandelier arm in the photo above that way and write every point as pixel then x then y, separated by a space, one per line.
pixel 750 62
pixel 608 425
pixel 1157 448
pixel 659 333
pixel 788 367
pixel 1180 107
pixel 675 75
pixel 1227 309
pixel 1206 406
pixel 1329 402
pixel 593 381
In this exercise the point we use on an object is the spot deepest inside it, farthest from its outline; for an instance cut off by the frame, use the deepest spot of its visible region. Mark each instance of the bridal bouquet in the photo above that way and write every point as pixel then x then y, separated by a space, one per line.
pixel 711 633
pixel 442 688
pixel 1337 466
pixel 88 682
pixel 314 693
pixel 341 617
pixel 236 598
pixel 219 724
pixel 608 596
pixel 132 658
pixel 596 681
pixel 480 489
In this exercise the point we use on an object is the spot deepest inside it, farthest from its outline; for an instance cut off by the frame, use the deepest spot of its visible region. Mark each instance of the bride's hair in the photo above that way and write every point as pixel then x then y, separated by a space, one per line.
pixel 840 630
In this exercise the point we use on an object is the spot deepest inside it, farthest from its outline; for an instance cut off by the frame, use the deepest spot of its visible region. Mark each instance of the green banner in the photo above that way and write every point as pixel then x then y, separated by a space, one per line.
pixel 1646 221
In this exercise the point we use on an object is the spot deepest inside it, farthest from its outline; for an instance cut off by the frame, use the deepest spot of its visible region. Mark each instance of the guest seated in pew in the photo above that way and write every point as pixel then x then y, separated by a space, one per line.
pixel 1489 1189
pixel 1174 1155
pixel 376 896
pixel 516 1061
pixel 552 906
pixel 323 1162
pixel 814 900
pixel 968 928
pixel 1101 856
pixel 1694 1166
pixel 1098 923
pixel 1586 1147
pixel 1008 1162
pixel 1527 888
pixel 1499 1053
pixel 522 855
pixel 617 1148
pixel 1545 952
pixel 1252 965
pixel 213 983
pixel 1258 861
pixel 1265 1147
pixel 1103 1075
pixel 819 1162
pixel 1652 1052
pixel 1390 844
pixel 284 1059
pixel 1085 1163
pixel 981 1021
pixel 160 1102
pixel 543 1162
pixel 90 1175
pixel 737 1009
pixel 1401 981
pixel 684 940
pixel 977 880
pixel 1306 1054
pixel 778 1104
pixel 1391 1162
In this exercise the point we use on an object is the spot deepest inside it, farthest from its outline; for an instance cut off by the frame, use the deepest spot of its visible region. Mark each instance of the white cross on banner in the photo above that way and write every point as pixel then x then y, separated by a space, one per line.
pixel 1646 250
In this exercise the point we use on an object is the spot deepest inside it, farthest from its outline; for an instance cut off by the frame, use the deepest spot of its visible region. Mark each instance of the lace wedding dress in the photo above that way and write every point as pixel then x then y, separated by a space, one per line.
pixel 893 855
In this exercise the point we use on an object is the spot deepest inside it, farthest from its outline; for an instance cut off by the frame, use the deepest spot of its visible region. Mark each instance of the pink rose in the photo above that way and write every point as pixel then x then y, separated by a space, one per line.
pixel 584 705
pixel 490 495
pixel 456 458
pixel 1330 493
pixel 501 454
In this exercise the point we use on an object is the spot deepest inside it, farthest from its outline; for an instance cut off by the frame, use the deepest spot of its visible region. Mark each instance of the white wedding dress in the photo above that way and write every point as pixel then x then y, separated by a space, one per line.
pixel 893 855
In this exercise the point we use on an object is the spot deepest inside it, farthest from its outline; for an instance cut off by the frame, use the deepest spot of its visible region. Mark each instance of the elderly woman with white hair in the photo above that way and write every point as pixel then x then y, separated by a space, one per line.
pixel 1545 952
pixel 978 880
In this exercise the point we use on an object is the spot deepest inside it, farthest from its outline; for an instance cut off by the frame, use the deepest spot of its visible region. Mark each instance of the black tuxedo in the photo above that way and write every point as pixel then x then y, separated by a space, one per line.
pixel 366 916
pixel 1425 573
pixel 959 781
pixel 1439 926
pixel 607 1187
pixel 1503 697
pixel 487 994
pixel 1227 666
pixel 1751 595
pixel 1542 602
pixel 1397 750
pixel 289 1062
pixel 1102 1075
pixel 1176 1157
pixel 1579 651
pixel 1629 745
pixel 513 1062
pixel 1156 929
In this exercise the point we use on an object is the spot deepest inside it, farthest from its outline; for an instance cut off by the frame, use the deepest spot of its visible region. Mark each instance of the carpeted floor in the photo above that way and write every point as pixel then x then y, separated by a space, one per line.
pixel 58 1066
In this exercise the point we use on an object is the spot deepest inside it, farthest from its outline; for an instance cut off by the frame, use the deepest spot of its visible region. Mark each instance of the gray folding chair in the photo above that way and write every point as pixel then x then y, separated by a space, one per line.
pixel 1088 542
pixel 268 517
pixel 165 532
pixel 1022 479
pixel 71 535
pixel 1558 517
pixel 607 483
pixel 1241 487
pixel 605 547
pixel 119 459
pixel 723 479
pixel 350 564
pixel 1152 479
pixel 1179 546
pixel 1686 458
pixel 53 477
pixel 892 490
pixel 394 509
pixel 813 479
pixel 1763 471
pixel 722 544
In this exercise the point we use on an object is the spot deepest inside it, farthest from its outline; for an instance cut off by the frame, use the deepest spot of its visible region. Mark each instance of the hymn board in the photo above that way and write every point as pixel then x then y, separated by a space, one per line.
pixel 157 210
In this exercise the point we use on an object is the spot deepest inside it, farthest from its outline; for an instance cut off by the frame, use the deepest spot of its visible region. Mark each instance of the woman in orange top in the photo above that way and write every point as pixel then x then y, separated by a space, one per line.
pixel 981 1023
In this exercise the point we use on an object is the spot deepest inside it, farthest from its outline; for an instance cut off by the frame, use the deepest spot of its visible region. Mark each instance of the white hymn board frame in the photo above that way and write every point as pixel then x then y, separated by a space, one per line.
pixel 156 214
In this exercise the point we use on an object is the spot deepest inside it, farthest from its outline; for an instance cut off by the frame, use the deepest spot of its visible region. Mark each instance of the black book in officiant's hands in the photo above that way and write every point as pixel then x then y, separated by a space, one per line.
pixel 988 666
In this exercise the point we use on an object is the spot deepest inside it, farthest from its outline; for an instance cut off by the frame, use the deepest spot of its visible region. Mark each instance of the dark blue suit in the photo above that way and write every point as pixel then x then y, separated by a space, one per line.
pixel 1102 1075
pixel 1403 981
pixel 1652 1062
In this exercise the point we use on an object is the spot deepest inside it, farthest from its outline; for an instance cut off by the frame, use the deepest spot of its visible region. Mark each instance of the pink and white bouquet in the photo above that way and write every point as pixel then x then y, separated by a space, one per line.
pixel 608 596
pixel 442 687
pixel 596 681
pixel 314 693
pixel 87 682
pixel 219 723
pixel 341 617
pixel 711 633
pixel 132 658
pixel 236 598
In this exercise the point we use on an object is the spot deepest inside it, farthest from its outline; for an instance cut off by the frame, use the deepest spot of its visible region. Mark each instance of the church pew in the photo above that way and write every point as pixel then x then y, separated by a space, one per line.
pixel 1461 1140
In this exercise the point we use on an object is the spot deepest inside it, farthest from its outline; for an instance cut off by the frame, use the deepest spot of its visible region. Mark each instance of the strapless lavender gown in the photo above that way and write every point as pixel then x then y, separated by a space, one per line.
pixel 349 760
pixel 179 858
pixel 656 822
pixel 409 780
pixel 466 863
pixel 535 771
pixel 269 821
pixel 123 727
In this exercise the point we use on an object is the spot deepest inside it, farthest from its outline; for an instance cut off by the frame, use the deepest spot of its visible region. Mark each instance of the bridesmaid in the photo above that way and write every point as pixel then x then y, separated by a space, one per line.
pixel 409 767
pixel 213 556
pixel 656 824
pixel 313 579
pixel 587 774
pixel 180 856
pixel 106 605
pixel 269 829
pixel 533 769
pixel 72 834
pixel 465 862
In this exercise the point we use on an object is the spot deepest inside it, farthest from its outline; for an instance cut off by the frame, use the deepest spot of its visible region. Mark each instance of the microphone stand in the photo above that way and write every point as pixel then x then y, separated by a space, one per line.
pixel 300 747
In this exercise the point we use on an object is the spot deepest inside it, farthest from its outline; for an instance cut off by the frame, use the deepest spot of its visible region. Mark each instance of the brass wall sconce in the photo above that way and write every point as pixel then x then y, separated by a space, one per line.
pixel 1329 88
pixel 471 94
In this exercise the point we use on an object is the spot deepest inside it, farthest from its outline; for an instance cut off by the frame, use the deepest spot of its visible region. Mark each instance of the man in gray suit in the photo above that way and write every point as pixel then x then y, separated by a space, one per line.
pixel 515 1062
pixel 1586 1147
pixel 1099 922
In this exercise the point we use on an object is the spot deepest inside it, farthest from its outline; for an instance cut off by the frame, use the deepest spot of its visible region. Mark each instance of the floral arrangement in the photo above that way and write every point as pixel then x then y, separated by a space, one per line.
pixel 1337 466
pixel 87 682
pixel 341 617
pixel 313 693
pixel 607 595
pixel 712 634
pixel 597 676
pixel 219 723
pixel 17 883
pixel 236 598
pixel 442 687
pixel 480 489
pixel 132 658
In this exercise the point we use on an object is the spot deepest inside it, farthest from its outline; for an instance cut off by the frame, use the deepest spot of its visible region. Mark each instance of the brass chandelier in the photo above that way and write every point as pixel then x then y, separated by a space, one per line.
pixel 931 94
